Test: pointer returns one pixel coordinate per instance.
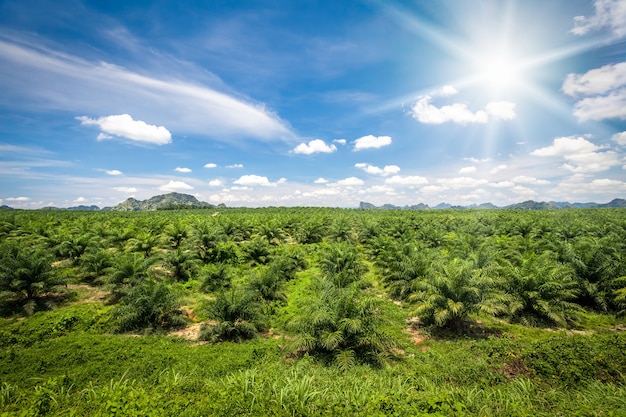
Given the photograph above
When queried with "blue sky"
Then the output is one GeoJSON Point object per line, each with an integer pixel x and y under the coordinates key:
{"type": "Point", "coordinates": [312, 103]}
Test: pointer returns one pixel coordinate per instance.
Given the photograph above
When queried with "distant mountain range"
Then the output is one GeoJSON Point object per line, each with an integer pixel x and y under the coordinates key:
{"type": "Point", "coordinates": [526, 205]}
{"type": "Point", "coordinates": [169, 201]}
{"type": "Point", "coordinates": [173, 201]}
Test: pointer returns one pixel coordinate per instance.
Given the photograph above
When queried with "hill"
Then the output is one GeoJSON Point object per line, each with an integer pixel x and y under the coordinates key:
{"type": "Point", "coordinates": [162, 202]}
{"type": "Point", "coordinates": [526, 205]}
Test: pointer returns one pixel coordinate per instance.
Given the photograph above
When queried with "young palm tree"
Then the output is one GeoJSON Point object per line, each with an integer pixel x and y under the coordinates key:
{"type": "Point", "coordinates": [25, 274]}
{"type": "Point", "coordinates": [541, 290]}
{"type": "Point", "coordinates": [183, 264]}
{"type": "Point", "coordinates": [128, 270]}
{"type": "Point", "coordinates": [152, 304]}
{"type": "Point", "coordinates": [341, 325]}
{"type": "Point", "coordinates": [340, 262]}
{"type": "Point", "coordinates": [451, 291]}
{"type": "Point", "coordinates": [175, 233]}
{"type": "Point", "coordinates": [238, 318]}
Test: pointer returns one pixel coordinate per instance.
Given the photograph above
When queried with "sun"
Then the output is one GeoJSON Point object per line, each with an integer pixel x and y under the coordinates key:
{"type": "Point", "coordinates": [499, 71]}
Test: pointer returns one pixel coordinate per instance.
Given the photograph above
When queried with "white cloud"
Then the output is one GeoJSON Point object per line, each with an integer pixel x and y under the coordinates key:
{"type": "Point", "coordinates": [524, 191]}
{"type": "Point", "coordinates": [424, 112]}
{"type": "Point", "coordinates": [350, 182]}
{"type": "Point", "coordinates": [123, 125]}
{"type": "Point", "coordinates": [210, 165]}
{"type": "Point", "coordinates": [340, 141]}
{"type": "Point", "coordinates": [125, 189]}
{"type": "Point", "coordinates": [564, 146]}
{"type": "Point", "coordinates": [216, 183]}
{"type": "Point", "coordinates": [103, 136]}
{"type": "Point", "coordinates": [49, 78]}
{"type": "Point", "coordinates": [620, 138]}
{"type": "Point", "coordinates": [581, 155]}
{"type": "Point", "coordinates": [321, 181]}
{"type": "Point", "coordinates": [374, 170]}
{"type": "Point", "coordinates": [467, 170]}
{"type": "Point", "coordinates": [523, 179]}
{"type": "Point", "coordinates": [605, 89]}
{"type": "Point", "coordinates": [371, 142]}
{"type": "Point", "coordinates": [184, 170]}
{"type": "Point", "coordinates": [322, 192]}
{"type": "Point", "coordinates": [113, 172]}
{"type": "Point", "coordinates": [18, 199]}
{"type": "Point", "coordinates": [497, 169]}
{"type": "Point", "coordinates": [175, 186]}
{"type": "Point", "coordinates": [256, 180]}
{"type": "Point", "coordinates": [429, 189]}
{"type": "Point", "coordinates": [234, 166]}
{"type": "Point", "coordinates": [80, 200]}
{"type": "Point", "coordinates": [609, 14]}
{"type": "Point", "coordinates": [314, 146]}
{"type": "Point", "coordinates": [380, 189]}
{"type": "Point", "coordinates": [409, 180]}
{"type": "Point", "coordinates": [502, 184]}
{"type": "Point", "coordinates": [446, 91]}
{"type": "Point", "coordinates": [476, 160]}
{"type": "Point", "coordinates": [503, 110]}
{"type": "Point", "coordinates": [461, 182]}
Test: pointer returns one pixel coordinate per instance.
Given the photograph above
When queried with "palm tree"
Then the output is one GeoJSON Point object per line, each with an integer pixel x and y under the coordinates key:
{"type": "Point", "coordinates": [152, 304]}
{"type": "Point", "coordinates": [26, 274]}
{"type": "Point", "coordinates": [183, 264]}
{"type": "Point", "coordinates": [128, 270]}
{"type": "Point", "coordinates": [540, 290]}
{"type": "Point", "coordinates": [451, 291]}
{"type": "Point", "coordinates": [238, 318]}
{"type": "Point", "coordinates": [143, 242]}
{"type": "Point", "coordinates": [340, 262]}
{"type": "Point", "coordinates": [341, 325]}
{"type": "Point", "coordinates": [175, 233]}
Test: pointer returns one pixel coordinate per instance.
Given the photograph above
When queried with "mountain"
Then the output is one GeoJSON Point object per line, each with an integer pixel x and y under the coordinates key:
{"type": "Point", "coordinates": [162, 202]}
{"type": "Point", "coordinates": [526, 205]}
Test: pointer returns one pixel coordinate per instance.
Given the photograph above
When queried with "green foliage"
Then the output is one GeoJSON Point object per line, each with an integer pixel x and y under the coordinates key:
{"type": "Point", "coordinates": [540, 290]}
{"type": "Point", "coordinates": [26, 275]}
{"type": "Point", "coordinates": [216, 277]}
{"type": "Point", "coordinates": [237, 317]}
{"type": "Point", "coordinates": [451, 291]}
{"type": "Point", "coordinates": [149, 305]}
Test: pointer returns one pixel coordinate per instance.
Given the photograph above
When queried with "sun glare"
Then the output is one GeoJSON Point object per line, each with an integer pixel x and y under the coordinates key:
{"type": "Point", "coordinates": [500, 71]}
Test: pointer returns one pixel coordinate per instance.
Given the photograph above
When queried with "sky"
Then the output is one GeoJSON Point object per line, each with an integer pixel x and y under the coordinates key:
{"type": "Point", "coordinates": [312, 102]}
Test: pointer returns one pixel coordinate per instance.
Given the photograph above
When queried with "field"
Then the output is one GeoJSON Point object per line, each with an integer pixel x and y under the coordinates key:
{"type": "Point", "coordinates": [313, 312]}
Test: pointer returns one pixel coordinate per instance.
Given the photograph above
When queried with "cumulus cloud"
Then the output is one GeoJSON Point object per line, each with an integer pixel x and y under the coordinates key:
{"type": "Point", "coordinates": [257, 180]}
{"type": "Point", "coordinates": [113, 172]}
{"type": "Point", "coordinates": [523, 179]}
{"type": "Point", "coordinates": [321, 181]}
{"type": "Point", "coordinates": [608, 14]}
{"type": "Point", "coordinates": [476, 160]}
{"type": "Point", "coordinates": [314, 146]}
{"type": "Point", "coordinates": [371, 142]}
{"type": "Point", "coordinates": [461, 182]}
{"type": "Point", "coordinates": [497, 169]}
{"type": "Point", "coordinates": [123, 125]}
{"type": "Point", "coordinates": [19, 199]}
{"type": "Point", "coordinates": [380, 189]}
{"type": "Point", "coordinates": [80, 200]}
{"type": "Point", "coordinates": [374, 170]}
{"type": "Point", "coordinates": [424, 112]}
{"type": "Point", "coordinates": [581, 155]}
{"type": "Point", "coordinates": [603, 92]}
{"type": "Point", "coordinates": [216, 183]}
{"type": "Point", "coordinates": [467, 170]}
{"type": "Point", "coordinates": [125, 189]}
{"type": "Point", "coordinates": [175, 186]}
{"type": "Point", "coordinates": [234, 166]}
{"type": "Point", "coordinates": [502, 184]}
{"type": "Point", "coordinates": [210, 165]}
{"type": "Point", "coordinates": [183, 170]}
{"type": "Point", "coordinates": [340, 141]}
{"type": "Point", "coordinates": [350, 182]}
{"type": "Point", "coordinates": [408, 180]}
{"type": "Point", "coordinates": [620, 138]}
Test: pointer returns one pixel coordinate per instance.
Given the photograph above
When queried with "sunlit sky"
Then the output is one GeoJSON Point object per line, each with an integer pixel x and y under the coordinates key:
{"type": "Point", "coordinates": [312, 103]}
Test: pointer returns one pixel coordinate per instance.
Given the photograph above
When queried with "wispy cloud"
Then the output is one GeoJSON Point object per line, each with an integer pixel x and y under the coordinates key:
{"type": "Point", "coordinates": [374, 170]}
{"type": "Point", "coordinates": [183, 170]}
{"type": "Point", "coordinates": [608, 14]}
{"type": "Point", "coordinates": [34, 75]}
